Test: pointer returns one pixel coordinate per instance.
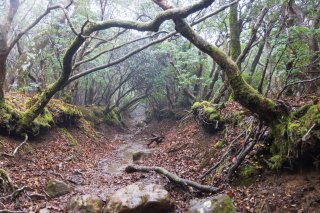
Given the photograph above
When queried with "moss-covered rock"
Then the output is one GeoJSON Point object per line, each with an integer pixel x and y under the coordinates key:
{"type": "Point", "coordinates": [208, 115]}
{"type": "Point", "coordinates": [217, 204]}
{"type": "Point", "coordinates": [56, 188]}
{"type": "Point", "coordinates": [57, 112]}
{"type": "Point", "coordinates": [113, 118]}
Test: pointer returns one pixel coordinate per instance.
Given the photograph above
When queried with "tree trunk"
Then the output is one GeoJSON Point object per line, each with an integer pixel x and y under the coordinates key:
{"type": "Point", "coordinates": [3, 68]}
{"type": "Point", "coordinates": [235, 47]}
{"type": "Point", "coordinates": [256, 60]}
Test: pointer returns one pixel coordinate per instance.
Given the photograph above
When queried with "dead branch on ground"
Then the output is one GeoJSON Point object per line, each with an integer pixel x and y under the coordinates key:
{"type": "Point", "coordinates": [172, 177]}
{"type": "Point", "coordinates": [156, 138]}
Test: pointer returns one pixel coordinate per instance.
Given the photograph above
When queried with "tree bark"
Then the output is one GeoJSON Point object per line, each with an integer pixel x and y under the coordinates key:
{"type": "Point", "coordinates": [3, 60]}
{"type": "Point", "coordinates": [256, 60]}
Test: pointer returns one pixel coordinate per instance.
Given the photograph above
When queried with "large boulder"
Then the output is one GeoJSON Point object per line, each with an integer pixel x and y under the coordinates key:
{"type": "Point", "coordinates": [217, 204]}
{"type": "Point", "coordinates": [56, 188]}
{"type": "Point", "coordinates": [159, 199]}
{"type": "Point", "coordinates": [138, 199]}
{"type": "Point", "coordinates": [85, 204]}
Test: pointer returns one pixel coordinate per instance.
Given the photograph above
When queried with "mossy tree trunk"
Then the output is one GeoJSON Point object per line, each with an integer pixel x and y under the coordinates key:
{"type": "Point", "coordinates": [234, 24]}
{"type": "Point", "coordinates": [290, 130]}
{"type": "Point", "coordinates": [243, 92]}
{"type": "Point", "coordinates": [246, 95]}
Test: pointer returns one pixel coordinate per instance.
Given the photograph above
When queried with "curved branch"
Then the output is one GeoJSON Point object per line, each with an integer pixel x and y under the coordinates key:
{"type": "Point", "coordinates": [297, 82]}
{"type": "Point", "coordinates": [34, 23]}
{"type": "Point", "coordinates": [86, 72]}
{"type": "Point", "coordinates": [114, 48]}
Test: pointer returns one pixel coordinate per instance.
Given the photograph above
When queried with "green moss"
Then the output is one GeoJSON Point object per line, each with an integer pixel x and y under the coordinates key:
{"type": "Point", "coordinates": [219, 145]}
{"type": "Point", "coordinates": [275, 161]}
{"type": "Point", "coordinates": [226, 206]}
{"type": "Point", "coordinates": [249, 170]}
{"type": "Point", "coordinates": [209, 110]}
{"type": "Point", "coordinates": [112, 118]}
{"type": "Point", "coordinates": [6, 183]}
{"type": "Point", "coordinates": [200, 104]}
{"type": "Point", "coordinates": [44, 120]}
{"type": "Point", "coordinates": [208, 116]}
{"type": "Point", "coordinates": [71, 139]}
{"type": "Point", "coordinates": [288, 132]}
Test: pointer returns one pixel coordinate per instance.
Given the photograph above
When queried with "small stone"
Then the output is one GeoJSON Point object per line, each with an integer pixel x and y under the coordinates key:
{"type": "Point", "coordinates": [56, 188]}
{"type": "Point", "coordinates": [140, 155]}
{"type": "Point", "coordinates": [45, 210]}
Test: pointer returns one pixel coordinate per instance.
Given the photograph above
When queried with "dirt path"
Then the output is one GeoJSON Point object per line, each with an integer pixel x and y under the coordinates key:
{"type": "Point", "coordinates": [108, 174]}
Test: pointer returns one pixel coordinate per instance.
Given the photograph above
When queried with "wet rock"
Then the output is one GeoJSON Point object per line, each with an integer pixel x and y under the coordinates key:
{"type": "Point", "coordinates": [159, 199]}
{"type": "Point", "coordinates": [56, 188]}
{"type": "Point", "coordinates": [141, 124]}
{"type": "Point", "coordinates": [128, 199]}
{"type": "Point", "coordinates": [45, 210]}
{"type": "Point", "coordinates": [85, 204]}
{"type": "Point", "coordinates": [137, 199]}
{"type": "Point", "coordinates": [140, 155]}
{"type": "Point", "coordinates": [217, 204]}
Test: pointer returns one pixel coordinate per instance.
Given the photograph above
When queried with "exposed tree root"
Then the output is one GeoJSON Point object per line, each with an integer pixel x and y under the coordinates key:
{"type": "Point", "coordinates": [172, 177]}
{"type": "Point", "coordinates": [245, 151]}
{"type": "Point", "coordinates": [216, 165]}
{"type": "Point", "coordinates": [9, 211]}
{"type": "Point", "coordinates": [15, 194]}
{"type": "Point", "coordinates": [17, 148]}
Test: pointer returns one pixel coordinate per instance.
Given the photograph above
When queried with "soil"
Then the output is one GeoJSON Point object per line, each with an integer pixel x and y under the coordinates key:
{"type": "Point", "coordinates": [95, 166]}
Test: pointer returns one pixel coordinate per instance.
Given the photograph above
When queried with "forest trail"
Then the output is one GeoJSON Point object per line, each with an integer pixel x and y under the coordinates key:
{"type": "Point", "coordinates": [102, 179]}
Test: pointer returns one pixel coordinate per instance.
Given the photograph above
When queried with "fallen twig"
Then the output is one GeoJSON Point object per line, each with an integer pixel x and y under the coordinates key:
{"type": "Point", "coordinates": [37, 196]}
{"type": "Point", "coordinates": [156, 138]}
{"type": "Point", "coordinates": [172, 177]}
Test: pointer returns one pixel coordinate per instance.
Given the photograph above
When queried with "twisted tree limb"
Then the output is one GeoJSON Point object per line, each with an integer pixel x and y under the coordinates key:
{"type": "Point", "coordinates": [172, 177]}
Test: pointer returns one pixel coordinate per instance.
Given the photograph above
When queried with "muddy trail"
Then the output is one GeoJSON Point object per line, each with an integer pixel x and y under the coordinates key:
{"type": "Point", "coordinates": [108, 173]}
